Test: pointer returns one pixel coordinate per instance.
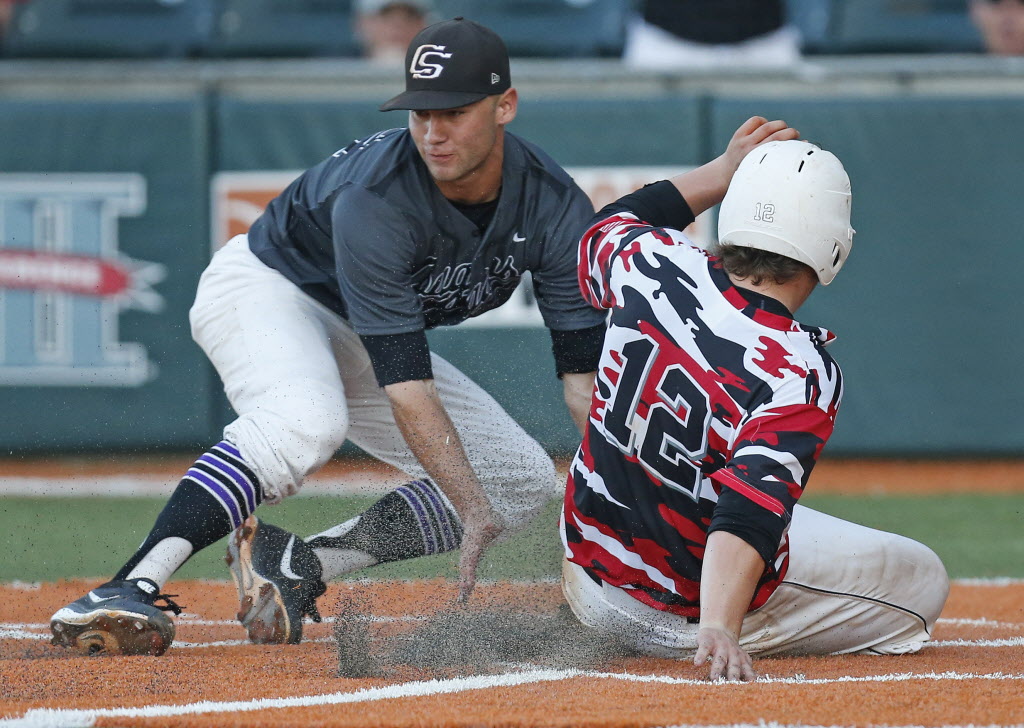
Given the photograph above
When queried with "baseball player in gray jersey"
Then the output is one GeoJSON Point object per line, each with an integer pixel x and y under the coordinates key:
{"type": "Point", "coordinates": [315, 322]}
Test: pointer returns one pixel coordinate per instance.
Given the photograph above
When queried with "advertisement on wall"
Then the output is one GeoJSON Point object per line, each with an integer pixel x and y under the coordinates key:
{"type": "Point", "coordinates": [64, 281]}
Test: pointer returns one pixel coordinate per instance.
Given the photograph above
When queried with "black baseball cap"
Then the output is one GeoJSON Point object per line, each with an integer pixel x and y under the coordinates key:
{"type": "Point", "coordinates": [451, 64]}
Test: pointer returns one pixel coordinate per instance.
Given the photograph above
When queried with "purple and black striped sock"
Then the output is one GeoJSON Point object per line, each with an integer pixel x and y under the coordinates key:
{"type": "Point", "coordinates": [438, 525]}
{"type": "Point", "coordinates": [217, 493]}
{"type": "Point", "coordinates": [412, 520]}
{"type": "Point", "coordinates": [223, 473]}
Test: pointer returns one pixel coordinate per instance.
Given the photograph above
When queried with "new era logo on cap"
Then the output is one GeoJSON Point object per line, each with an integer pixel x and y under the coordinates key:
{"type": "Point", "coordinates": [451, 64]}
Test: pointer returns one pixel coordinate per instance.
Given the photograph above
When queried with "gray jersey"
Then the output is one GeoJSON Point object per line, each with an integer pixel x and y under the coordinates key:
{"type": "Point", "coordinates": [368, 233]}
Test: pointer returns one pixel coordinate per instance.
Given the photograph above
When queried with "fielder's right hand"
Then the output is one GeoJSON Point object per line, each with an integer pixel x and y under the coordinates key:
{"type": "Point", "coordinates": [480, 526]}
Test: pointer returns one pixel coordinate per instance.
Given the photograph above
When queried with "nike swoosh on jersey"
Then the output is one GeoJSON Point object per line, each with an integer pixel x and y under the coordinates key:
{"type": "Point", "coordinates": [286, 561]}
{"type": "Point", "coordinates": [517, 238]}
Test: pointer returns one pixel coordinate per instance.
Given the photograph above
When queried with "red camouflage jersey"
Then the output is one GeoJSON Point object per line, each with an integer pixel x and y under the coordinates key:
{"type": "Point", "coordinates": [708, 413]}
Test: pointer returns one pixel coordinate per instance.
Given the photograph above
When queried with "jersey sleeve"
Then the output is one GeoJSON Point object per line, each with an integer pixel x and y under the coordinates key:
{"type": "Point", "coordinates": [638, 223]}
{"type": "Point", "coordinates": [375, 259]}
{"type": "Point", "coordinates": [399, 357]}
{"type": "Point", "coordinates": [578, 351]}
{"type": "Point", "coordinates": [775, 451]}
{"type": "Point", "coordinates": [554, 278]}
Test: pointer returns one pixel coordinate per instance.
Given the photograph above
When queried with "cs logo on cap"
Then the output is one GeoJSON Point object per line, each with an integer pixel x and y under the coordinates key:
{"type": "Point", "coordinates": [421, 66]}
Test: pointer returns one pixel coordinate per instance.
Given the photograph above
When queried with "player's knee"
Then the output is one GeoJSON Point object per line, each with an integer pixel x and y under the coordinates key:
{"type": "Point", "coordinates": [936, 583]}
{"type": "Point", "coordinates": [317, 434]}
{"type": "Point", "coordinates": [287, 443]}
{"type": "Point", "coordinates": [928, 581]}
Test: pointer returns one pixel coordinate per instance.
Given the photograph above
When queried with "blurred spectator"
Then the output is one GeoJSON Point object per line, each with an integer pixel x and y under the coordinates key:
{"type": "Point", "coordinates": [386, 27]}
{"type": "Point", "coordinates": [1001, 23]}
{"type": "Point", "coordinates": [6, 14]}
{"type": "Point", "coordinates": [671, 34]}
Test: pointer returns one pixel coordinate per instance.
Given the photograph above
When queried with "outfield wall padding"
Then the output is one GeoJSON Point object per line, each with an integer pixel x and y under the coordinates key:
{"type": "Point", "coordinates": [116, 368]}
{"type": "Point", "coordinates": [929, 337]}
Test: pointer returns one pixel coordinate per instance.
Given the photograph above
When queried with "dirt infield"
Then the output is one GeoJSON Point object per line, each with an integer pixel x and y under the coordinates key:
{"type": "Point", "coordinates": [971, 674]}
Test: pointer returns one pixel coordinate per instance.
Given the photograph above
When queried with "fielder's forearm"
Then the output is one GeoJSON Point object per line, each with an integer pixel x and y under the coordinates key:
{"type": "Point", "coordinates": [578, 390]}
{"type": "Point", "coordinates": [729, 575]}
{"type": "Point", "coordinates": [430, 434]}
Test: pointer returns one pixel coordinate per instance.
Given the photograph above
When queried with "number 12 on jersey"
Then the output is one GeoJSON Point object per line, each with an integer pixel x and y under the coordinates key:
{"type": "Point", "coordinates": [658, 414]}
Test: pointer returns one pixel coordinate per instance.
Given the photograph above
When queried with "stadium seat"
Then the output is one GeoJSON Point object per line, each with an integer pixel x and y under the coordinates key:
{"type": "Point", "coordinates": [549, 28]}
{"type": "Point", "coordinates": [813, 18]}
{"type": "Point", "coordinates": [884, 26]}
{"type": "Point", "coordinates": [255, 28]}
{"type": "Point", "coordinates": [108, 28]}
{"type": "Point", "coordinates": [910, 26]}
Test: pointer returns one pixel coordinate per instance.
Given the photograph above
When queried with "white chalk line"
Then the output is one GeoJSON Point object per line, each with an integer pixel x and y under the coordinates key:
{"type": "Point", "coordinates": [20, 585]}
{"type": "Point", "coordinates": [76, 718]}
{"type": "Point", "coordinates": [42, 717]}
{"type": "Point", "coordinates": [1011, 642]}
{"type": "Point", "coordinates": [997, 581]}
{"type": "Point", "coordinates": [22, 634]}
{"type": "Point", "coordinates": [15, 634]}
{"type": "Point", "coordinates": [982, 622]}
{"type": "Point", "coordinates": [802, 680]}
{"type": "Point", "coordinates": [40, 631]}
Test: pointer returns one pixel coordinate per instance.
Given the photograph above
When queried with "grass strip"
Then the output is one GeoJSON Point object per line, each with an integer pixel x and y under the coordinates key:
{"type": "Point", "coordinates": [56, 538]}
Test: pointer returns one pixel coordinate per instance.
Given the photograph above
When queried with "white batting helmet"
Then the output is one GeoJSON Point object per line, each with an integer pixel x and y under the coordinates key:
{"type": "Point", "coordinates": [791, 198]}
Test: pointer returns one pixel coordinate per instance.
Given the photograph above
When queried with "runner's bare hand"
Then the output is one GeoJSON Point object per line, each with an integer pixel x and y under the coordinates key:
{"type": "Point", "coordinates": [755, 131]}
{"type": "Point", "coordinates": [728, 661]}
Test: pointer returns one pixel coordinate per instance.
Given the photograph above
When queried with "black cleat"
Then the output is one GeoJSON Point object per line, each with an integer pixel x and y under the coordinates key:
{"type": "Point", "coordinates": [117, 618]}
{"type": "Point", "coordinates": [278, 579]}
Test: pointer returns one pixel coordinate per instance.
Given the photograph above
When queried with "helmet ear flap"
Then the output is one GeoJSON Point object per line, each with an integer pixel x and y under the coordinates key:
{"type": "Point", "coordinates": [794, 199]}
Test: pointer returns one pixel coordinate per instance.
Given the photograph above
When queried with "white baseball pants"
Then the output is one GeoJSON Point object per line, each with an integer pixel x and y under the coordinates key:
{"type": "Point", "coordinates": [301, 383]}
{"type": "Point", "coordinates": [849, 589]}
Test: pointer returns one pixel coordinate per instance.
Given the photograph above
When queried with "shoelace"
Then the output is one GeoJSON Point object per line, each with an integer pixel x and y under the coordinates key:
{"type": "Point", "coordinates": [309, 606]}
{"type": "Point", "coordinates": [169, 604]}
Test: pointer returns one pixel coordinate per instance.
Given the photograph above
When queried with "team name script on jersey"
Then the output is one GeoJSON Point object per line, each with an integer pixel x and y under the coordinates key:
{"type": "Point", "coordinates": [455, 287]}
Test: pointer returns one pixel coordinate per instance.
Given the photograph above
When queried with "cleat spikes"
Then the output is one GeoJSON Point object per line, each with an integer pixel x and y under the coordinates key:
{"type": "Point", "coordinates": [117, 618]}
{"type": "Point", "coordinates": [278, 578]}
